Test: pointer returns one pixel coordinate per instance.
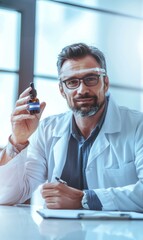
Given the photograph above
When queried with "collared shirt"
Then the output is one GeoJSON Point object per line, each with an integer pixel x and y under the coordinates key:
{"type": "Point", "coordinates": [77, 156]}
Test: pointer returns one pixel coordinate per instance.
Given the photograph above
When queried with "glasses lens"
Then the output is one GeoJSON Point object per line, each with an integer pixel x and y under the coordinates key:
{"type": "Point", "coordinates": [88, 81]}
{"type": "Point", "coordinates": [91, 80]}
{"type": "Point", "coordinates": [73, 83]}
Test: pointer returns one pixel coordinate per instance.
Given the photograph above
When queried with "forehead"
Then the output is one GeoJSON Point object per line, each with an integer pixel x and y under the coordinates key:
{"type": "Point", "coordinates": [74, 66]}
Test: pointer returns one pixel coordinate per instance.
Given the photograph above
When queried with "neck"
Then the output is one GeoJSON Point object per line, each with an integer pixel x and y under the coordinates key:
{"type": "Point", "coordinates": [87, 124]}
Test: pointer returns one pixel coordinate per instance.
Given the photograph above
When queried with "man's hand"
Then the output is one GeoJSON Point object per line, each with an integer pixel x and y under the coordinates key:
{"type": "Point", "coordinates": [60, 196]}
{"type": "Point", "coordinates": [23, 123]}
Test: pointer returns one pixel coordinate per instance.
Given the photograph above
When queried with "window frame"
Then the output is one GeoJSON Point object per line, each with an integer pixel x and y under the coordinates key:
{"type": "Point", "coordinates": [27, 39]}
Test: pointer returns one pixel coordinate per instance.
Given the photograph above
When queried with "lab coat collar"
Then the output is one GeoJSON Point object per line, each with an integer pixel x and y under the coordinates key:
{"type": "Point", "coordinates": [63, 127]}
{"type": "Point", "coordinates": [112, 122]}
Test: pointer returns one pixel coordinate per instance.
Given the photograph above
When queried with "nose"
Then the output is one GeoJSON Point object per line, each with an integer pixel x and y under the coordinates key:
{"type": "Point", "coordinates": [82, 88]}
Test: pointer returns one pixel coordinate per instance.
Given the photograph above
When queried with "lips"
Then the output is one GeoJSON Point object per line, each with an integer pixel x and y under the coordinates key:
{"type": "Point", "coordinates": [84, 99]}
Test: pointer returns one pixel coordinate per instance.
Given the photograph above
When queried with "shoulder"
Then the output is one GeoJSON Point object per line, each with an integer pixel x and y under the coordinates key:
{"type": "Point", "coordinates": [131, 114]}
{"type": "Point", "coordinates": [55, 118]}
{"type": "Point", "coordinates": [55, 125]}
{"type": "Point", "coordinates": [124, 112]}
{"type": "Point", "coordinates": [122, 118]}
{"type": "Point", "coordinates": [56, 121]}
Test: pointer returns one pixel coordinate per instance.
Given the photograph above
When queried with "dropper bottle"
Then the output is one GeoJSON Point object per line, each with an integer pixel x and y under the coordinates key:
{"type": "Point", "coordinates": [34, 104]}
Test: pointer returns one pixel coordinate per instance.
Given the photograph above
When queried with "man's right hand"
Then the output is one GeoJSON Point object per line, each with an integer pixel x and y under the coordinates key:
{"type": "Point", "coordinates": [23, 123]}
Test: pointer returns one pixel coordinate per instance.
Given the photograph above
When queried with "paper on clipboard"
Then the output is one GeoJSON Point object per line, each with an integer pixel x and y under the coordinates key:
{"type": "Point", "coordinates": [89, 214]}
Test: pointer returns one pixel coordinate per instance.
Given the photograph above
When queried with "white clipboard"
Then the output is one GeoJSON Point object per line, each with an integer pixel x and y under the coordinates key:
{"type": "Point", "coordinates": [89, 214]}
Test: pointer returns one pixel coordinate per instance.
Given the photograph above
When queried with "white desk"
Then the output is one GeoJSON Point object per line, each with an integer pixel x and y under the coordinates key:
{"type": "Point", "coordinates": [17, 223]}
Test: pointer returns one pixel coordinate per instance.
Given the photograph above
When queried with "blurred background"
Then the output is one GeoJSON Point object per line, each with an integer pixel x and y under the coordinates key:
{"type": "Point", "coordinates": [32, 33]}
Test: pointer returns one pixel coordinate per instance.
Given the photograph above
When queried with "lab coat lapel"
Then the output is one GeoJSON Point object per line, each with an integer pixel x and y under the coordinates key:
{"type": "Point", "coordinates": [99, 146]}
{"type": "Point", "coordinates": [62, 132]}
{"type": "Point", "coordinates": [111, 125]}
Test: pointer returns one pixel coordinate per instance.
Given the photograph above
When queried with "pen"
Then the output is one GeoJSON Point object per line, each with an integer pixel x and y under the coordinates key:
{"type": "Point", "coordinates": [22, 205]}
{"type": "Point", "coordinates": [60, 180]}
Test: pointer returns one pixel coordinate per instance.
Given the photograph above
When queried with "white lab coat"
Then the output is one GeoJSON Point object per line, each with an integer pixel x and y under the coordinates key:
{"type": "Point", "coordinates": [114, 167]}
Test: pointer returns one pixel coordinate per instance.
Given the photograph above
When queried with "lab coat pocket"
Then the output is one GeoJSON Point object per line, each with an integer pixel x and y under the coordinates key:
{"type": "Point", "coordinates": [122, 176]}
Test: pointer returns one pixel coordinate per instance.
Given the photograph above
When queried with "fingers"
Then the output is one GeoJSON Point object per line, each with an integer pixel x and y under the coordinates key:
{"type": "Point", "coordinates": [24, 97]}
{"type": "Point", "coordinates": [25, 92]}
{"type": "Point", "coordinates": [53, 203]}
{"type": "Point", "coordinates": [51, 189]}
{"type": "Point", "coordinates": [42, 107]}
{"type": "Point", "coordinates": [21, 117]}
{"type": "Point", "coordinates": [61, 196]}
{"type": "Point", "coordinates": [21, 105]}
{"type": "Point", "coordinates": [23, 123]}
{"type": "Point", "coordinates": [22, 101]}
{"type": "Point", "coordinates": [20, 108]}
{"type": "Point", "coordinates": [51, 192]}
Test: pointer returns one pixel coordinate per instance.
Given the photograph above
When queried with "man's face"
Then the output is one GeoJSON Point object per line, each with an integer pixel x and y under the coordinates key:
{"type": "Point", "coordinates": [83, 100]}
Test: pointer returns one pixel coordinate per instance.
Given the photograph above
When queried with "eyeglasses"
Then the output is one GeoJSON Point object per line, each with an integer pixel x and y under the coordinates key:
{"type": "Point", "coordinates": [91, 80]}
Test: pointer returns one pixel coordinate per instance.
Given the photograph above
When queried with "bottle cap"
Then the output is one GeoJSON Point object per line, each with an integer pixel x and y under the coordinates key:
{"type": "Point", "coordinates": [33, 92]}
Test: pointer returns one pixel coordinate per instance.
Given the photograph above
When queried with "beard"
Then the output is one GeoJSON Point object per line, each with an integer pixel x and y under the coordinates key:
{"type": "Point", "coordinates": [86, 109]}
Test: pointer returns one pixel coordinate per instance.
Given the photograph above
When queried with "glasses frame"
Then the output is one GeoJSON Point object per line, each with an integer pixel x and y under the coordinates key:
{"type": "Point", "coordinates": [102, 73]}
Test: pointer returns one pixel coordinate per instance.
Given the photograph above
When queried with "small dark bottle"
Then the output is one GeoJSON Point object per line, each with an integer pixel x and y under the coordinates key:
{"type": "Point", "coordinates": [34, 104]}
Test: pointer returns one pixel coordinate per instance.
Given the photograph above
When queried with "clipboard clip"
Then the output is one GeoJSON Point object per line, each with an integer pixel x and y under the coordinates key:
{"type": "Point", "coordinates": [105, 216]}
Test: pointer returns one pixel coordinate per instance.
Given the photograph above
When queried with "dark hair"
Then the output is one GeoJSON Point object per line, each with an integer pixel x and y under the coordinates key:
{"type": "Point", "coordinates": [80, 50]}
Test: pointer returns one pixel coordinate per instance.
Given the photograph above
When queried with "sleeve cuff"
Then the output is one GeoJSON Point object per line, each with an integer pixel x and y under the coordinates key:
{"type": "Point", "coordinates": [93, 200]}
{"type": "Point", "coordinates": [12, 150]}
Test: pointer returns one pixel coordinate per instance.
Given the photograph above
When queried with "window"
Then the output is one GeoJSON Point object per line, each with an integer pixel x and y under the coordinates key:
{"type": "Point", "coordinates": [17, 33]}
{"type": "Point", "coordinates": [115, 27]}
{"type": "Point", "coordinates": [9, 65]}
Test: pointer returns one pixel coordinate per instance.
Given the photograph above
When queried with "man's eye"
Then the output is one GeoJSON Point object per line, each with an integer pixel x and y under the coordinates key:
{"type": "Point", "coordinates": [72, 82]}
{"type": "Point", "coordinates": [93, 78]}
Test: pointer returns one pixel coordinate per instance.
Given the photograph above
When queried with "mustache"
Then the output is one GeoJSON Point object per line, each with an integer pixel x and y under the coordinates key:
{"type": "Point", "coordinates": [84, 96]}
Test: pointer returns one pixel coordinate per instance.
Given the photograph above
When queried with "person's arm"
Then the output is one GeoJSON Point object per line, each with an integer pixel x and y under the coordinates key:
{"type": "Point", "coordinates": [59, 195]}
{"type": "Point", "coordinates": [15, 185]}
{"type": "Point", "coordinates": [20, 177]}
{"type": "Point", "coordinates": [23, 126]}
{"type": "Point", "coordinates": [10, 151]}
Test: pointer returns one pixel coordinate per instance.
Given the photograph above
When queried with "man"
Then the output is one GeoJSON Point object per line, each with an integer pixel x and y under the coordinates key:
{"type": "Point", "coordinates": [97, 147]}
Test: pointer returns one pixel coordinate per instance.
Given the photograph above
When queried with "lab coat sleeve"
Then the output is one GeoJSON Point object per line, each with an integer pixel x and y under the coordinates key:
{"type": "Point", "coordinates": [20, 177]}
{"type": "Point", "coordinates": [10, 186]}
{"type": "Point", "coordinates": [126, 198]}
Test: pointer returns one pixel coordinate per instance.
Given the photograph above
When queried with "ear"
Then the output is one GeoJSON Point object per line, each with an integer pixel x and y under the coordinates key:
{"type": "Point", "coordinates": [62, 90]}
{"type": "Point", "coordinates": [106, 83]}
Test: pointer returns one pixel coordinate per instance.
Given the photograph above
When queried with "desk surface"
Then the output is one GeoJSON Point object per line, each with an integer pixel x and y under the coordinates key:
{"type": "Point", "coordinates": [25, 223]}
